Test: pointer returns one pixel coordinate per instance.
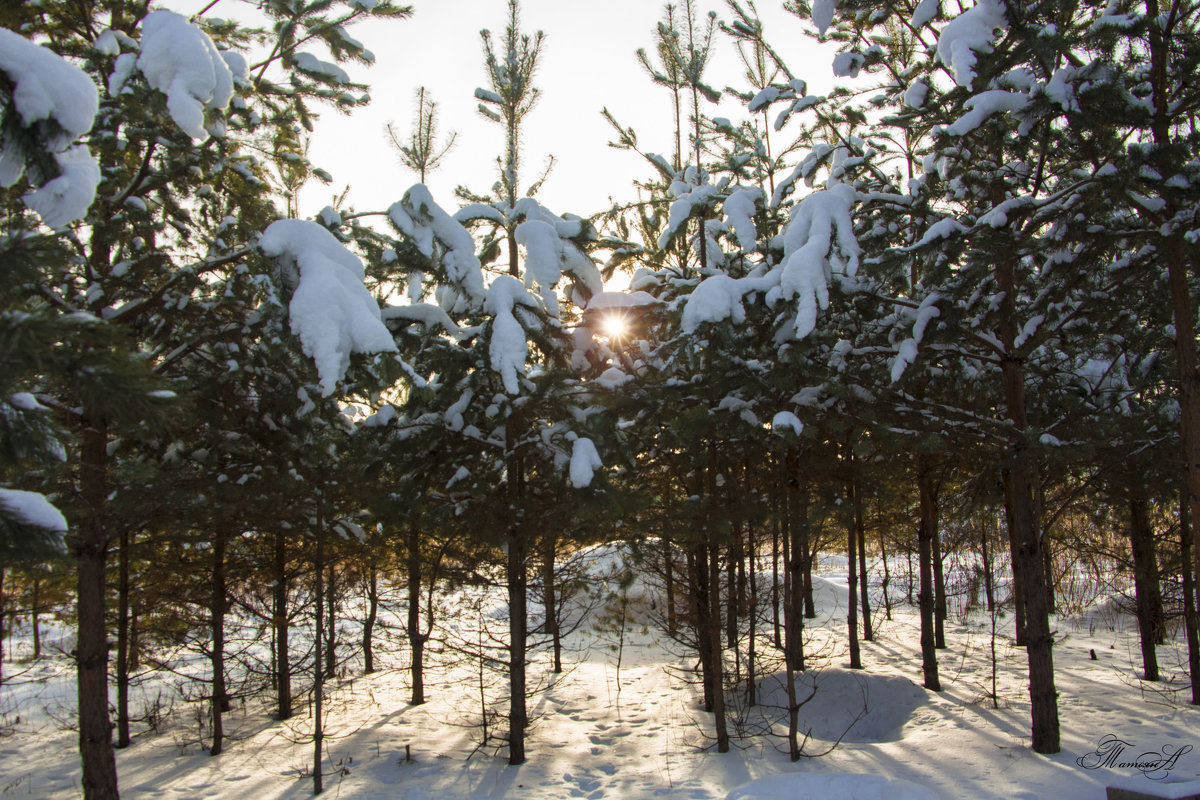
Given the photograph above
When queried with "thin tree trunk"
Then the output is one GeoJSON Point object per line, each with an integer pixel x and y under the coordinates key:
{"type": "Point", "coordinates": [99, 766]}
{"type": "Point", "coordinates": [887, 578]}
{"type": "Point", "coordinates": [793, 609]}
{"type": "Point", "coordinates": [925, 533]}
{"type": "Point", "coordinates": [937, 561]}
{"type": "Point", "coordinates": [733, 585]}
{"type": "Point", "coordinates": [852, 577]}
{"type": "Point", "coordinates": [698, 564]}
{"type": "Point", "coordinates": [331, 625]}
{"type": "Point", "coordinates": [123, 737]}
{"type": "Point", "coordinates": [1145, 580]}
{"type": "Point", "coordinates": [368, 643]}
{"type": "Point", "coordinates": [714, 632]}
{"type": "Point", "coordinates": [518, 582]}
{"type": "Point", "coordinates": [988, 586]}
{"type": "Point", "coordinates": [34, 614]}
{"type": "Point", "coordinates": [416, 638]}
{"type": "Point", "coordinates": [279, 618]}
{"type": "Point", "coordinates": [775, 531]}
{"type": "Point", "coordinates": [752, 619]}
{"type": "Point", "coordinates": [549, 600]}
{"type": "Point", "coordinates": [1190, 618]}
{"type": "Point", "coordinates": [864, 586]}
{"type": "Point", "coordinates": [217, 604]}
{"type": "Point", "coordinates": [318, 669]}
{"type": "Point", "coordinates": [669, 577]}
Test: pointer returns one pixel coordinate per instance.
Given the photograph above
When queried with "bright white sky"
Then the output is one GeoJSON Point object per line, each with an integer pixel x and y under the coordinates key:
{"type": "Point", "coordinates": [587, 63]}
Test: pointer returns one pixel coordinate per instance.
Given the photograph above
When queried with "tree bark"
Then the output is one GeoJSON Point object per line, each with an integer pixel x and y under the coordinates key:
{"type": "Point", "coordinates": [331, 624]}
{"type": "Point", "coordinates": [123, 737]}
{"type": "Point", "coordinates": [318, 669]}
{"type": "Point", "coordinates": [864, 586]}
{"type": "Point", "coordinates": [518, 582]}
{"type": "Point", "coordinates": [1146, 588]}
{"type": "Point", "coordinates": [1190, 617]}
{"type": "Point", "coordinates": [928, 524]}
{"type": "Point", "coordinates": [368, 642]}
{"type": "Point", "coordinates": [99, 766]}
{"type": "Point", "coordinates": [714, 632]}
{"type": "Point", "coordinates": [416, 638]}
{"type": "Point", "coordinates": [852, 580]}
{"type": "Point", "coordinates": [549, 542]}
{"type": "Point", "coordinates": [1025, 533]}
{"type": "Point", "coordinates": [937, 562]}
{"type": "Point", "coordinates": [217, 607]}
{"type": "Point", "coordinates": [279, 618]}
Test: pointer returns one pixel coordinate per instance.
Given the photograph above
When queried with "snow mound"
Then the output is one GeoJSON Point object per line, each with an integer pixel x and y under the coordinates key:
{"type": "Point", "coordinates": [179, 60]}
{"type": "Point", "coordinates": [843, 786]}
{"type": "Point", "coordinates": [856, 706]}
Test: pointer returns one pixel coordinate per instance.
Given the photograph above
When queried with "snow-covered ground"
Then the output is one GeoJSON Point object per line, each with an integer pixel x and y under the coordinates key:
{"type": "Point", "coordinates": [654, 741]}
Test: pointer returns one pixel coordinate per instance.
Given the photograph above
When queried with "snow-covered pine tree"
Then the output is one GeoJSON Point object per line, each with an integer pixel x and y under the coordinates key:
{"type": "Point", "coordinates": [168, 200]}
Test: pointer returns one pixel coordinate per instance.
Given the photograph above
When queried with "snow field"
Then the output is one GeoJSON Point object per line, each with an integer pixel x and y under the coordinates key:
{"type": "Point", "coordinates": [898, 740]}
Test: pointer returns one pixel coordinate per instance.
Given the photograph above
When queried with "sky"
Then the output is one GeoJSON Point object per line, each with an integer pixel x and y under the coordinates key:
{"type": "Point", "coordinates": [587, 64]}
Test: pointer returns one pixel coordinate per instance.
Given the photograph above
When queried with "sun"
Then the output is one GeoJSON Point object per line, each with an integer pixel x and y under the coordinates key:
{"type": "Point", "coordinates": [614, 326]}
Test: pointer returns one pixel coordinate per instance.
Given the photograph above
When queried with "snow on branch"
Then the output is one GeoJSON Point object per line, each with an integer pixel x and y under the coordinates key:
{"type": "Point", "coordinates": [438, 235]}
{"type": "Point", "coordinates": [507, 348]}
{"type": "Point", "coordinates": [179, 60]}
{"type": "Point", "coordinates": [585, 460]}
{"type": "Point", "coordinates": [969, 34]}
{"type": "Point", "coordinates": [331, 310]}
{"type": "Point", "coordinates": [34, 510]}
{"type": "Point", "coordinates": [717, 298]}
{"type": "Point", "coordinates": [550, 252]}
{"type": "Point", "coordinates": [47, 89]}
{"type": "Point", "coordinates": [819, 242]}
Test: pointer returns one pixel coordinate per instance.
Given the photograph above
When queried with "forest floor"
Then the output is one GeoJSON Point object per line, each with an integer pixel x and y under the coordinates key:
{"type": "Point", "coordinates": [646, 737]}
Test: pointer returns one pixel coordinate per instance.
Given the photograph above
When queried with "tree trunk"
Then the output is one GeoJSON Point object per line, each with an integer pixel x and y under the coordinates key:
{"type": "Point", "coordinates": [1191, 622]}
{"type": "Point", "coordinates": [123, 737]}
{"type": "Point", "coordinates": [1145, 581]}
{"type": "Point", "coordinates": [318, 669]}
{"type": "Point", "coordinates": [99, 766]}
{"type": "Point", "coordinates": [988, 586]}
{"type": "Point", "coordinates": [732, 589]}
{"type": "Point", "coordinates": [1017, 595]}
{"type": "Point", "coordinates": [279, 618]}
{"type": "Point", "coordinates": [1183, 308]}
{"type": "Point", "coordinates": [217, 605]}
{"type": "Point", "coordinates": [549, 599]}
{"type": "Point", "coordinates": [852, 580]}
{"type": "Point", "coordinates": [368, 643]}
{"type": "Point", "coordinates": [714, 632]}
{"type": "Point", "coordinates": [751, 619]}
{"type": "Point", "coordinates": [937, 562]}
{"type": "Point", "coordinates": [1025, 533]}
{"type": "Point", "coordinates": [669, 577]}
{"type": "Point", "coordinates": [887, 578]}
{"type": "Point", "coordinates": [698, 564]}
{"type": "Point", "coordinates": [35, 611]}
{"type": "Point", "coordinates": [518, 583]}
{"type": "Point", "coordinates": [416, 638]}
{"type": "Point", "coordinates": [864, 586]}
{"type": "Point", "coordinates": [793, 609]}
{"type": "Point", "coordinates": [925, 533]}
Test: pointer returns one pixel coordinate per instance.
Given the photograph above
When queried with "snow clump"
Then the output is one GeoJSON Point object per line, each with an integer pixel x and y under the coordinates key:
{"type": "Point", "coordinates": [331, 311]}
{"type": "Point", "coordinates": [179, 60]}
{"type": "Point", "coordinates": [47, 88]}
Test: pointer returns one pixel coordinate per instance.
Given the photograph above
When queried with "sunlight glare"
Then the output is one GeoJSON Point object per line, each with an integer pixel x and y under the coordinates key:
{"type": "Point", "coordinates": [614, 326]}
